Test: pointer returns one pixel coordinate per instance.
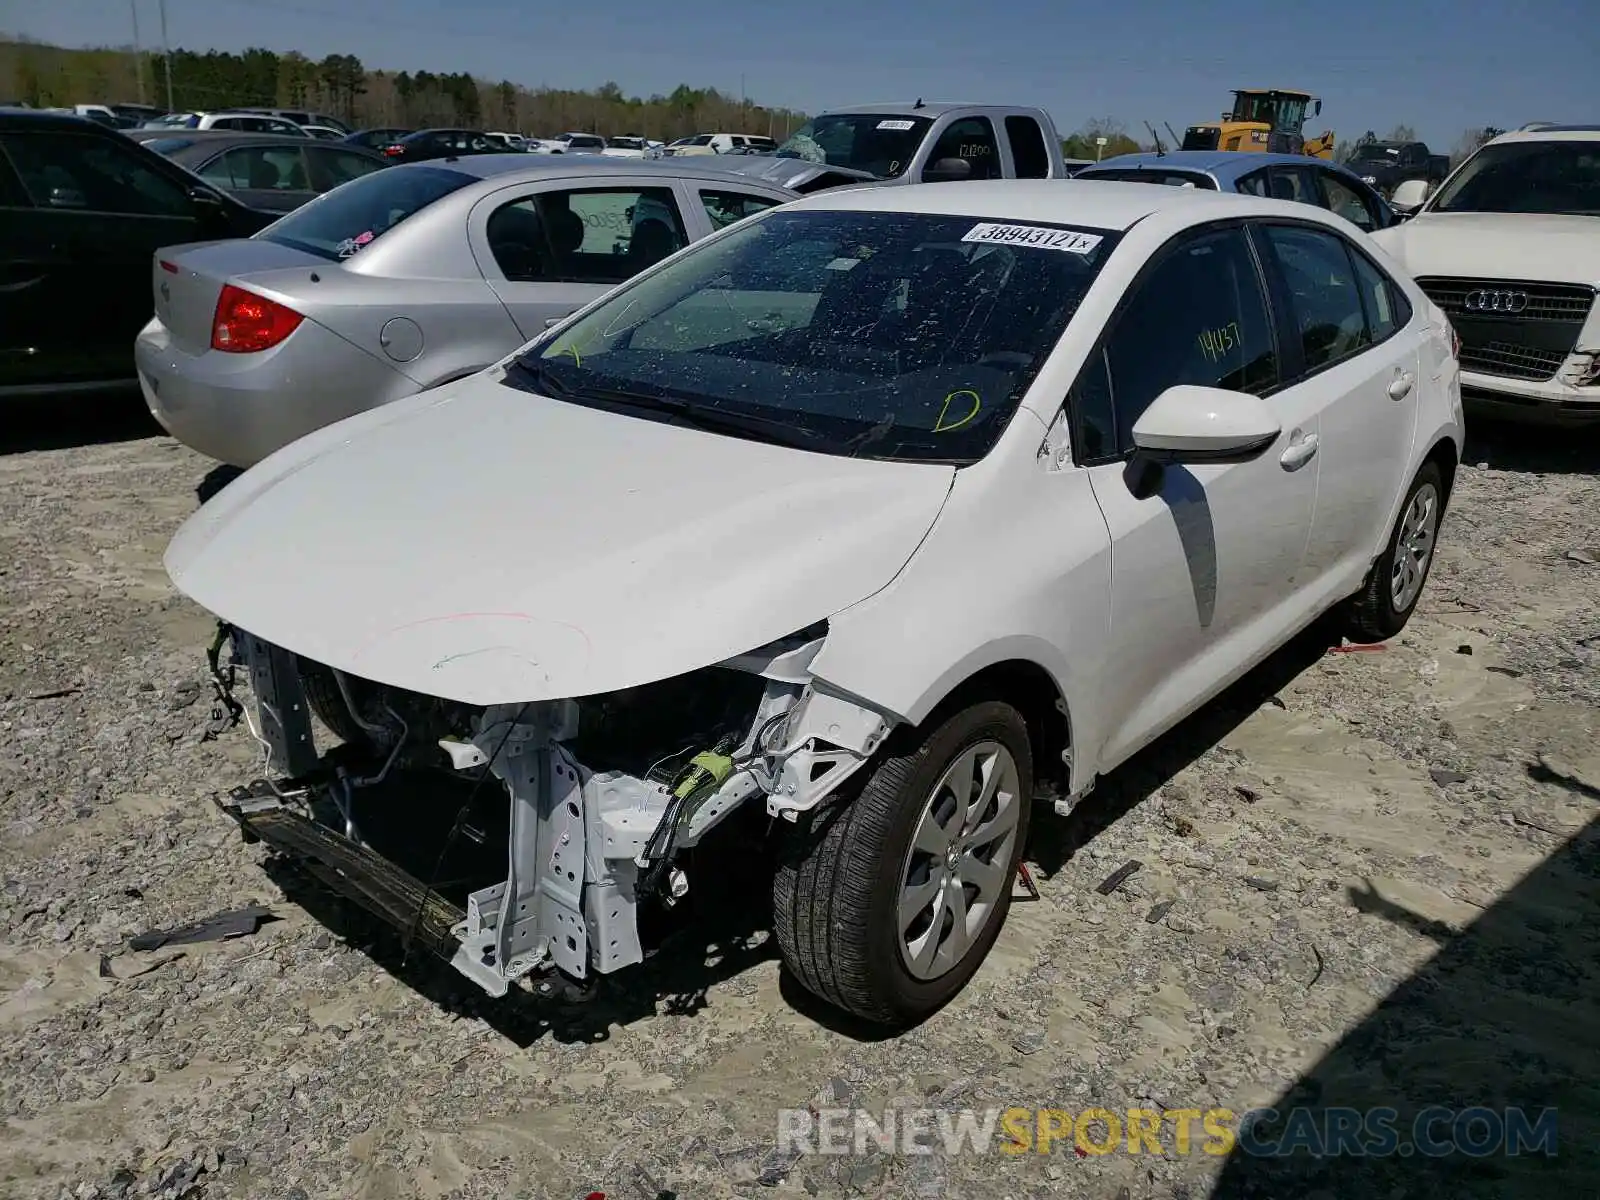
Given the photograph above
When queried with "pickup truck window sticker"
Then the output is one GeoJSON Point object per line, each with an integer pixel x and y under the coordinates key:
{"type": "Point", "coordinates": [1038, 237]}
{"type": "Point", "coordinates": [898, 126]}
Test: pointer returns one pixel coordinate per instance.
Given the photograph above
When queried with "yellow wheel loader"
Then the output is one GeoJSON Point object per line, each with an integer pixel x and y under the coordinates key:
{"type": "Point", "coordinates": [1264, 119]}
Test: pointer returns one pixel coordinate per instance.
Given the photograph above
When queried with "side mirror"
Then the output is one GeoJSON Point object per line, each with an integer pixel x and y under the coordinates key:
{"type": "Point", "coordinates": [1191, 424]}
{"type": "Point", "coordinates": [1409, 196]}
{"type": "Point", "coordinates": [947, 170]}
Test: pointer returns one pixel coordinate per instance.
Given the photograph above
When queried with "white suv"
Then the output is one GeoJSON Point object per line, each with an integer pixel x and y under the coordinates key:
{"type": "Point", "coordinates": [1509, 247]}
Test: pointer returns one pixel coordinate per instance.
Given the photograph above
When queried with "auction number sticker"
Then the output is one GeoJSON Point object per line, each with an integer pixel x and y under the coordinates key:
{"type": "Point", "coordinates": [899, 126]}
{"type": "Point", "coordinates": [1038, 236]}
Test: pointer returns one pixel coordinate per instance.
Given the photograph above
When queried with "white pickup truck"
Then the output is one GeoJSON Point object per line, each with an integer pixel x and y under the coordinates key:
{"type": "Point", "coordinates": [913, 143]}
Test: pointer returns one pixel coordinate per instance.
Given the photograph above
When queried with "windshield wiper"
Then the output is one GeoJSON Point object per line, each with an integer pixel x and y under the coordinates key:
{"type": "Point", "coordinates": [700, 416]}
{"type": "Point", "coordinates": [539, 375]}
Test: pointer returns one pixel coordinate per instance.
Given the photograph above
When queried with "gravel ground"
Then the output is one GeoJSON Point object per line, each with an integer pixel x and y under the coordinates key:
{"type": "Point", "coordinates": [1365, 878]}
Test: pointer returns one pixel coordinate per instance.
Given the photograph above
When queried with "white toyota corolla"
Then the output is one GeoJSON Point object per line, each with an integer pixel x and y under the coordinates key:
{"type": "Point", "coordinates": [848, 532]}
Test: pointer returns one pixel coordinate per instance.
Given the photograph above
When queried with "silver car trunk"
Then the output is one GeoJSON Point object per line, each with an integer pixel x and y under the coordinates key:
{"type": "Point", "coordinates": [188, 279]}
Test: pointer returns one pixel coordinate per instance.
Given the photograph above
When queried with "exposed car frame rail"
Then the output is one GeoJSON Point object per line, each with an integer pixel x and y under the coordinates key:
{"type": "Point", "coordinates": [585, 848]}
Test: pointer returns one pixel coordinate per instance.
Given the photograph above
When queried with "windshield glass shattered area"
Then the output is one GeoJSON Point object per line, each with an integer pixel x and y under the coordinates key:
{"type": "Point", "coordinates": [872, 142]}
{"type": "Point", "coordinates": [1550, 178]}
{"type": "Point", "coordinates": [872, 334]}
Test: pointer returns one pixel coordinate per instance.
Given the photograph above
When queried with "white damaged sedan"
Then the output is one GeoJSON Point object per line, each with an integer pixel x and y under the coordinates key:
{"type": "Point", "coordinates": [850, 532]}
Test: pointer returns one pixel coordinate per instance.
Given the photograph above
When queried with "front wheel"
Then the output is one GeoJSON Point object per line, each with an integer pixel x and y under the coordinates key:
{"type": "Point", "coordinates": [1395, 584]}
{"type": "Point", "coordinates": [885, 905]}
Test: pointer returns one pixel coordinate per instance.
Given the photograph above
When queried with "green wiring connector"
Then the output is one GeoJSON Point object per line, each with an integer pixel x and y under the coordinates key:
{"type": "Point", "coordinates": [705, 770]}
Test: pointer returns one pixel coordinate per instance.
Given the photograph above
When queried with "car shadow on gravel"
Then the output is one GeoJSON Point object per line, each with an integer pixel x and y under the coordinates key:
{"type": "Point", "coordinates": [1504, 1017]}
{"type": "Point", "coordinates": [1506, 446]}
{"type": "Point", "coordinates": [721, 939]}
{"type": "Point", "coordinates": [36, 423]}
{"type": "Point", "coordinates": [1053, 840]}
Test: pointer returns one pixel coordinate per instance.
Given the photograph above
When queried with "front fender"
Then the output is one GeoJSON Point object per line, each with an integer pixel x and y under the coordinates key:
{"type": "Point", "coordinates": [1017, 567]}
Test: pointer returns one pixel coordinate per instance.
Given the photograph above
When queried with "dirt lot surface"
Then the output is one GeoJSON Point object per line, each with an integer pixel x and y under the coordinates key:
{"type": "Point", "coordinates": [1366, 879]}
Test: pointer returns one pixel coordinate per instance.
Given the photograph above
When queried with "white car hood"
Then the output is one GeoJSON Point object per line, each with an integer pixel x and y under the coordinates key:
{"type": "Point", "coordinates": [1497, 246]}
{"type": "Point", "coordinates": [492, 546]}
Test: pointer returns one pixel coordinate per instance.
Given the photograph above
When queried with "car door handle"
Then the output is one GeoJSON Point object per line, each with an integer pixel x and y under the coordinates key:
{"type": "Point", "coordinates": [1302, 449]}
{"type": "Point", "coordinates": [1400, 388]}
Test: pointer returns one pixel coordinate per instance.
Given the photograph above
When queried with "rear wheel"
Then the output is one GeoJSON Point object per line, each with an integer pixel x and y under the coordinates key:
{"type": "Point", "coordinates": [1395, 584]}
{"type": "Point", "coordinates": [885, 905]}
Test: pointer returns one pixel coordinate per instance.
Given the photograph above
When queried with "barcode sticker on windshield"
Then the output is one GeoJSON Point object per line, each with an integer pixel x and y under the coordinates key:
{"type": "Point", "coordinates": [1039, 237]}
{"type": "Point", "coordinates": [897, 125]}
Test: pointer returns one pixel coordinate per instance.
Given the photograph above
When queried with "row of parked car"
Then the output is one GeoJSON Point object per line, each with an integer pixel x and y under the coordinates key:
{"type": "Point", "coordinates": [586, 223]}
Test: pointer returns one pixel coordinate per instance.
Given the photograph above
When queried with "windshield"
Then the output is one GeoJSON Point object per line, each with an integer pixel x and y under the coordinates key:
{"type": "Point", "coordinates": [339, 223]}
{"type": "Point", "coordinates": [870, 334]}
{"type": "Point", "coordinates": [877, 144]}
{"type": "Point", "coordinates": [1271, 108]}
{"type": "Point", "coordinates": [1552, 178]}
{"type": "Point", "coordinates": [1377, 152]}
{"type": "Point", "coordinates": [1194, 179]}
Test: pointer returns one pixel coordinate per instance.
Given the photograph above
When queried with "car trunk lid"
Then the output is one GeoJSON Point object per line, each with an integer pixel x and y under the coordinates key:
{"type": "Point", "coordinates": [188, 279]}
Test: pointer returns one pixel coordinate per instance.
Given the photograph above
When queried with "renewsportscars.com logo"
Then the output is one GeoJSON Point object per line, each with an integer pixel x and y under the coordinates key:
{"type": "Point", "coordinates": [1433, 1132]}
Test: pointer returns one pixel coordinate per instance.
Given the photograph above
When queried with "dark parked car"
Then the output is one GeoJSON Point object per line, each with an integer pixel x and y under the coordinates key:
{"type": "Point", "coordinates": [83, 209]}
{"type": "Point", "coordinates": [265, 171]}
{"type": "Point", "coordinates": [376, 139]}
{"type": "Point", "coordinates": [1386, 165]}
{"type": "Point", "coordinates": [441, 143]}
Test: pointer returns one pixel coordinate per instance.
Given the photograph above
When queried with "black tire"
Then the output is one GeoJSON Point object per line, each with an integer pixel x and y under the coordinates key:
{"type": "Point", "coordinates": [837, 888]}
{"type": "Point", "coordinates": [325, 699]}
{"type": "Point", "coordinates": [1374, 616]}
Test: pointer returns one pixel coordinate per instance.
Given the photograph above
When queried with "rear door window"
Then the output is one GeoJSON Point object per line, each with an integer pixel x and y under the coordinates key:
{"type": "Point", "coordinates": [260, 169]}
{"type": "Point", "coordinates": [348, 219]}
{"type": "Point", "coordinates": [1324, 294]}
{"type": "Point", "coordinates": [723, 208]}
{"type": "Point", "coordinates": [93, 174]}
{"type": "Point", "coordinates": [330, 167]}
{"type": "Point", "coordinates": [1295, 184]}
{"type": "Point", "coordinates": [1027, 148]}
{"type": "Point", "coordinates": [1254, 184]}
{"type": "Point", "coordinates": [588, 235]}
{"type": "Point", "coordinates": [1340, 197]}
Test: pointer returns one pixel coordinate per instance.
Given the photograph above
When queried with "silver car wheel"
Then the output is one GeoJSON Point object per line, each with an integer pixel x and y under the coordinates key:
{"type": "Point", "coordinates": [1413, 549]}
{"type": "Point", "coordinates": [958, 866]}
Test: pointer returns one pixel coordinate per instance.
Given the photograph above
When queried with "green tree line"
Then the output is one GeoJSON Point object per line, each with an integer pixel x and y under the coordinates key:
{"type": "Point", "coordinates": [45, 76]}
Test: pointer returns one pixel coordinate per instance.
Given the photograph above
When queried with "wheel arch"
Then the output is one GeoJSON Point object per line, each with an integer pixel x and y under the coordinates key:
{"type": "Point", "coordinates": [1447, 455]}
{"type": "Point", "coordinates": [1034, 692]}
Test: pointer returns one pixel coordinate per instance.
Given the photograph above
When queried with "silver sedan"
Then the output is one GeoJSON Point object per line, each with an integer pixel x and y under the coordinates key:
{"type": "Point", "coordinates": [404, 280]}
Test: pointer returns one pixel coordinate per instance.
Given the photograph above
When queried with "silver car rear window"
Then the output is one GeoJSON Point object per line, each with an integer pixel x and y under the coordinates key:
{"type": "Point", "coordinates": [344, 221]}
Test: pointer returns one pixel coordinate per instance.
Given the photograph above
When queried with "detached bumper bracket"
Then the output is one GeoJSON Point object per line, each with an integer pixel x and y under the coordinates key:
{"type": "Point", "coordinates": [345, 868]}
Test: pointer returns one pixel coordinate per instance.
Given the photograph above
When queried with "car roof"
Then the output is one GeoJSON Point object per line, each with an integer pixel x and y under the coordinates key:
{"type": "Point", "coordinates": [533, 166]}
{"type": "Point", "coordinates": [212, 139]}
{"type": "Point", "coordinates": [1100, 204]}
{"type": "Point", "coordinates": [1552, 133]}
{"type": "Point", "coordinates": [1224, 165]}
{"type": "Point", "coordinates": [38, 118]}
{"type": "Point", "coordinates": [927, 108]}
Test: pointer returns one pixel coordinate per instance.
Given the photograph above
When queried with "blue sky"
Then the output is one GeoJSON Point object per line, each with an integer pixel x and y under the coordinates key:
{"type": "Point", "coordinates": [1437, 65]}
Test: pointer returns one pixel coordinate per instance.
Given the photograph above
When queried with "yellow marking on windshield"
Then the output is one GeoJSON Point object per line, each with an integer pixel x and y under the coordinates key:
{"type": "Point", "coordinates": [974, 401]}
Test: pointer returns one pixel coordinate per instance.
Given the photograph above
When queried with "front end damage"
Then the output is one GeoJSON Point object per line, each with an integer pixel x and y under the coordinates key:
{"type": "Point", "coordinates": [597, 802]}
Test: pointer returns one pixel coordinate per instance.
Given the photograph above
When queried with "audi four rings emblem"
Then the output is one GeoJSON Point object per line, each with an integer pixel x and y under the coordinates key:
{"type": "Point", "coordinates": [1496, 302]}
